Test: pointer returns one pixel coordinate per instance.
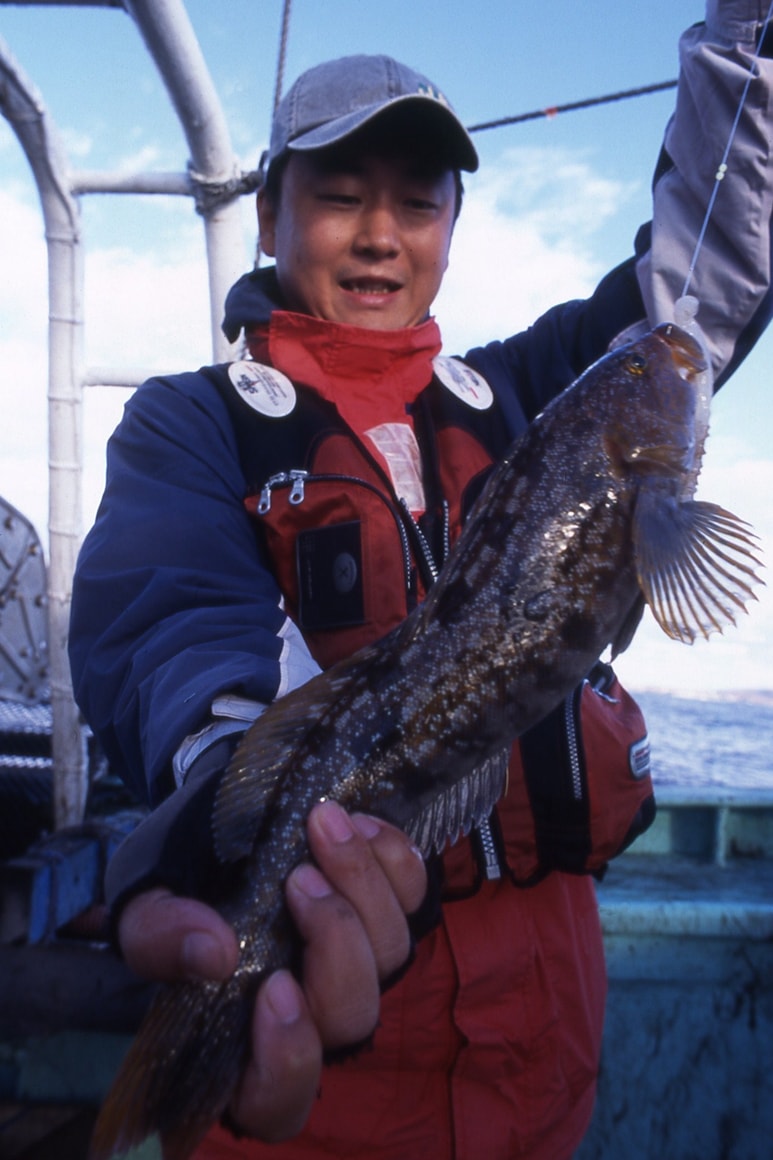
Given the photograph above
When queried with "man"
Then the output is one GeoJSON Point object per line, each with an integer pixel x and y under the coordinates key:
{"type": "Point", "coordinates": [489, 1044]}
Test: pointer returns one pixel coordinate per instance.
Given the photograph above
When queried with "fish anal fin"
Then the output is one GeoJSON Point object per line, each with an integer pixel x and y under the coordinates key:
{"type": "Point", "coordinates": [696, 564]}
{"type": "Point", "coordinates": [461, 806]}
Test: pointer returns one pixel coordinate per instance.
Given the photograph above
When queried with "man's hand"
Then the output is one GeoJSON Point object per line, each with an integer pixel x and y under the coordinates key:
{"type": "Point", "coordinates": [350, 909]}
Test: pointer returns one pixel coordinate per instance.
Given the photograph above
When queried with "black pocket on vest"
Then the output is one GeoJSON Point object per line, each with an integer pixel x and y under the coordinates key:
{"type": "Point", "coordinates": [330, 585]}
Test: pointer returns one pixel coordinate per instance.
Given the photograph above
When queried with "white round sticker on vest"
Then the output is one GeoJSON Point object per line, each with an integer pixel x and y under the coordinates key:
{"type": "Point", "coordinates": [463, 382]}
{"type": "Point", "coordinates": [263, 388]}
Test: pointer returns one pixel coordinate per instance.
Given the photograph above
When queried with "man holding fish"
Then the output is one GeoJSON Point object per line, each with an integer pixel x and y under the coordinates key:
{"type": "Point", "coordinates": [264, 521]}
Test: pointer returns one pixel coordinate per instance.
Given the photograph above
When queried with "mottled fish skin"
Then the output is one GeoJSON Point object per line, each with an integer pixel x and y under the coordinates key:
{"type": "Point", "coordinates": [417, 727]}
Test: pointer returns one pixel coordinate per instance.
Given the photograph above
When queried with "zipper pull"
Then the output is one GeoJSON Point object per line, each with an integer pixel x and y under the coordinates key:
{"type": "Point", "coordinates": [297, 478]}
{"type": "Point", "coordinates": [264, 503]}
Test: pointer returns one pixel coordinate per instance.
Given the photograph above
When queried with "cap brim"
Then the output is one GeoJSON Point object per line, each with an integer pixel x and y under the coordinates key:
{"type": "Point", "coordinates": [457, 142]}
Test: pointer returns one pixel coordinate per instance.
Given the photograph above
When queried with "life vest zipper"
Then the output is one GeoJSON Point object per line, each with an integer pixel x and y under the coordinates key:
{"type": "Point", "coordinates": [423, 549]}
{"type": "Point", "coordinates": [489, 860]}
{"type": "Point", "coordinates": [572, 741]}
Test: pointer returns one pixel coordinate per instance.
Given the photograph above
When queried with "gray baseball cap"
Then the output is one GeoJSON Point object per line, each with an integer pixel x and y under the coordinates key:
{"type": "Point", "coordinates": [333, 100]}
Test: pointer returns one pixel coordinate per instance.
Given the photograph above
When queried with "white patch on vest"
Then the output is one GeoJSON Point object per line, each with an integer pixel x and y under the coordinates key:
{"type": "Point", "coordinates": [463, 382]}
{"type": "Point", "coordinates": [397, 446]}
{"type": "Point", "coordinates": [639, 757]}
{"type": "Point", "coordinates": [263, 388]}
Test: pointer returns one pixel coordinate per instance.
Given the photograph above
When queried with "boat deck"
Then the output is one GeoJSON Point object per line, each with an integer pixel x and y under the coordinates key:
{"type": "Point", "coordinates": [687, 916]}
{"type": "Point", "coordinates": [688, 929]}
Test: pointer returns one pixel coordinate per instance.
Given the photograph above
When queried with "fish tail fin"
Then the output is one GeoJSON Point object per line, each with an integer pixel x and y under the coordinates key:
{"type": "Point", "coordinates": [180, 1071]}
{"type": "Point", "coordinates": [696, 564]}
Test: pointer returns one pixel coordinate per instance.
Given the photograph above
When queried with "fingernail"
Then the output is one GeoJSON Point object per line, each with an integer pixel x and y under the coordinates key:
{"type": "Point", "coordinates": [202, 956]}
{"type": "Point", "coordinates": [366, 826]}
{"type": "Point", "coordinates": [310, 882]}
{"type": "Point", "coordinates": [282, 997]}
{"type": "Point", "coordinates": [335, 822]}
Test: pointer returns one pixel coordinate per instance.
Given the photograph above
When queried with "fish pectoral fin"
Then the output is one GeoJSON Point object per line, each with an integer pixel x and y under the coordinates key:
{"type": "Point", "coordinates": [696, 565]}
{"type": "Point", "coordinates": [463, 805]}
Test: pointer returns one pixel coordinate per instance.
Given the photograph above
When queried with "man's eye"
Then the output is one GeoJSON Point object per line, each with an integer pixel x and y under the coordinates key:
{"type": "Point", "coordinates": [337, 197]}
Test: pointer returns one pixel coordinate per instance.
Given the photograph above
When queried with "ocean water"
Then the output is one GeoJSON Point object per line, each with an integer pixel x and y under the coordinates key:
{"type": "Point", "coordinates": [724, 741]}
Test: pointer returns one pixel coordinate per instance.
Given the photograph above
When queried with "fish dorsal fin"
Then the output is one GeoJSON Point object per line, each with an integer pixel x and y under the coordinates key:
{"type": "Point", "coordinates": [696, 565]}
{"type": "Point", "coordinates": [460, 807]}
{"type": "Point", "coordinates": [267, 754]}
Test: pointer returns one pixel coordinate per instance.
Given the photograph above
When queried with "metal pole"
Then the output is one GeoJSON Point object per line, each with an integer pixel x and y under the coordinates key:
{"type": "Point", "coordinates": [24, 109]}
{"type": "Point", "coordinates": [172, 43]}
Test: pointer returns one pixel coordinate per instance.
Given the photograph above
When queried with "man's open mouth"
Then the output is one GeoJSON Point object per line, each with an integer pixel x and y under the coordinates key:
{"type": "Point", "coordinates": [370, 285]}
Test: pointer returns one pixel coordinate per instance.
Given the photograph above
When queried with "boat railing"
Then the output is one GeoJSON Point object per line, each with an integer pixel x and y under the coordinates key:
{"type": "Point", "coordinates": [215, 182]}
{"type": "Point", "coordinates": [712, 823]}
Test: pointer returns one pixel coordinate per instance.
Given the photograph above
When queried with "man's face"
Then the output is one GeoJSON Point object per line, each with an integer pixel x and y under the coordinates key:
{"type": "Point", "coordinates": [360, 238]}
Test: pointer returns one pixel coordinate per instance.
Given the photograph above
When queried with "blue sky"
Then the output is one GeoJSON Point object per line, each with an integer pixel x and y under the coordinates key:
{"type": "Point", "coordinates": [555, 205]}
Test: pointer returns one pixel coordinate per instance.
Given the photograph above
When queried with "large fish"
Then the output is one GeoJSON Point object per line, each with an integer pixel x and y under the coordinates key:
{"type": "Point", "coordinates": [589, 515]}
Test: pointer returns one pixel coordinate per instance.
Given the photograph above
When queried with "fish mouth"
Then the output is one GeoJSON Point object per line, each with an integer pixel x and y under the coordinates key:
{"type": "Point", "coordinates": [666, 459]}
{"type": "Point", "coordinates": [685, 351]}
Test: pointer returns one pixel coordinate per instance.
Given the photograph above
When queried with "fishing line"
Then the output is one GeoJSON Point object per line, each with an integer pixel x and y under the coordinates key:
{"type": "Point", "coordinates": [722, 167]}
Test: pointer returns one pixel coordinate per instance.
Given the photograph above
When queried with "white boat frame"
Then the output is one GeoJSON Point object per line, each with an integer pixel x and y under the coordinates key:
{"type": "Point", "coordinates": [215, 181]}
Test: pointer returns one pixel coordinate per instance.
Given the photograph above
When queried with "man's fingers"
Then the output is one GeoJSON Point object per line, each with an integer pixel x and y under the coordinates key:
{"type": "Point", "coordinates": [282, 1079]}
{"type": "Point", "coordinates": [351, 915]}
{"type": "Point", "coordinates": [379, 872]}
{"type": "Point", "coordinates": [340, 976]}
{"type": "Point", "coordinates": [169, 938]}
{"type": "Point", "coordinates": [400, 860]}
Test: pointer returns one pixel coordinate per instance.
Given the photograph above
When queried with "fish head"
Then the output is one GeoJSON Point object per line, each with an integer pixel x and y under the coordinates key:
{"type": "Point", "coordinates": [695, 562]}
{"type": "Point", "coordinates": [654, 424]}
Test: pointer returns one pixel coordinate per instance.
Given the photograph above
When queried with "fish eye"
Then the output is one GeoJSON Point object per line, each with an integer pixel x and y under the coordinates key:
{"type": "Point", "coordinates": [636, 364]}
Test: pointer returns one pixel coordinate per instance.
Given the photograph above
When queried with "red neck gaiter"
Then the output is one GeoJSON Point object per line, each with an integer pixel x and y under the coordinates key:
{"type": "Point", "coordinates": [370, 376]}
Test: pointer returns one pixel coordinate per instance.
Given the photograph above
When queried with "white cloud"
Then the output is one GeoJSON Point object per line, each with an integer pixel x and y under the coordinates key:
{"type": "Point", "coordinates": [23, 354]}
{"type": "Point", "coordinates": [146, 310]}
{"type": "Point", "coordinates": [77, 144]}
{"type": "Point", "coordinates": [147, 157]}
{"type": "Point", "coordinates": [523, 243]}
{"type": "Point", "coordinates": [24, 263]}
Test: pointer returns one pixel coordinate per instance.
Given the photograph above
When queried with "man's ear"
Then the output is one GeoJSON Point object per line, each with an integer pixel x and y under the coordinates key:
{"type": "Point", "coordinates": [266, 223]}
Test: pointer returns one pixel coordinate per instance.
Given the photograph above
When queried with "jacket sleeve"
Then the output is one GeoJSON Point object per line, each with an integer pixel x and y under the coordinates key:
{"type": "Point", "coordinates": [732, 274]}
{"type": "Point", "coordinates": [172, 601]}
